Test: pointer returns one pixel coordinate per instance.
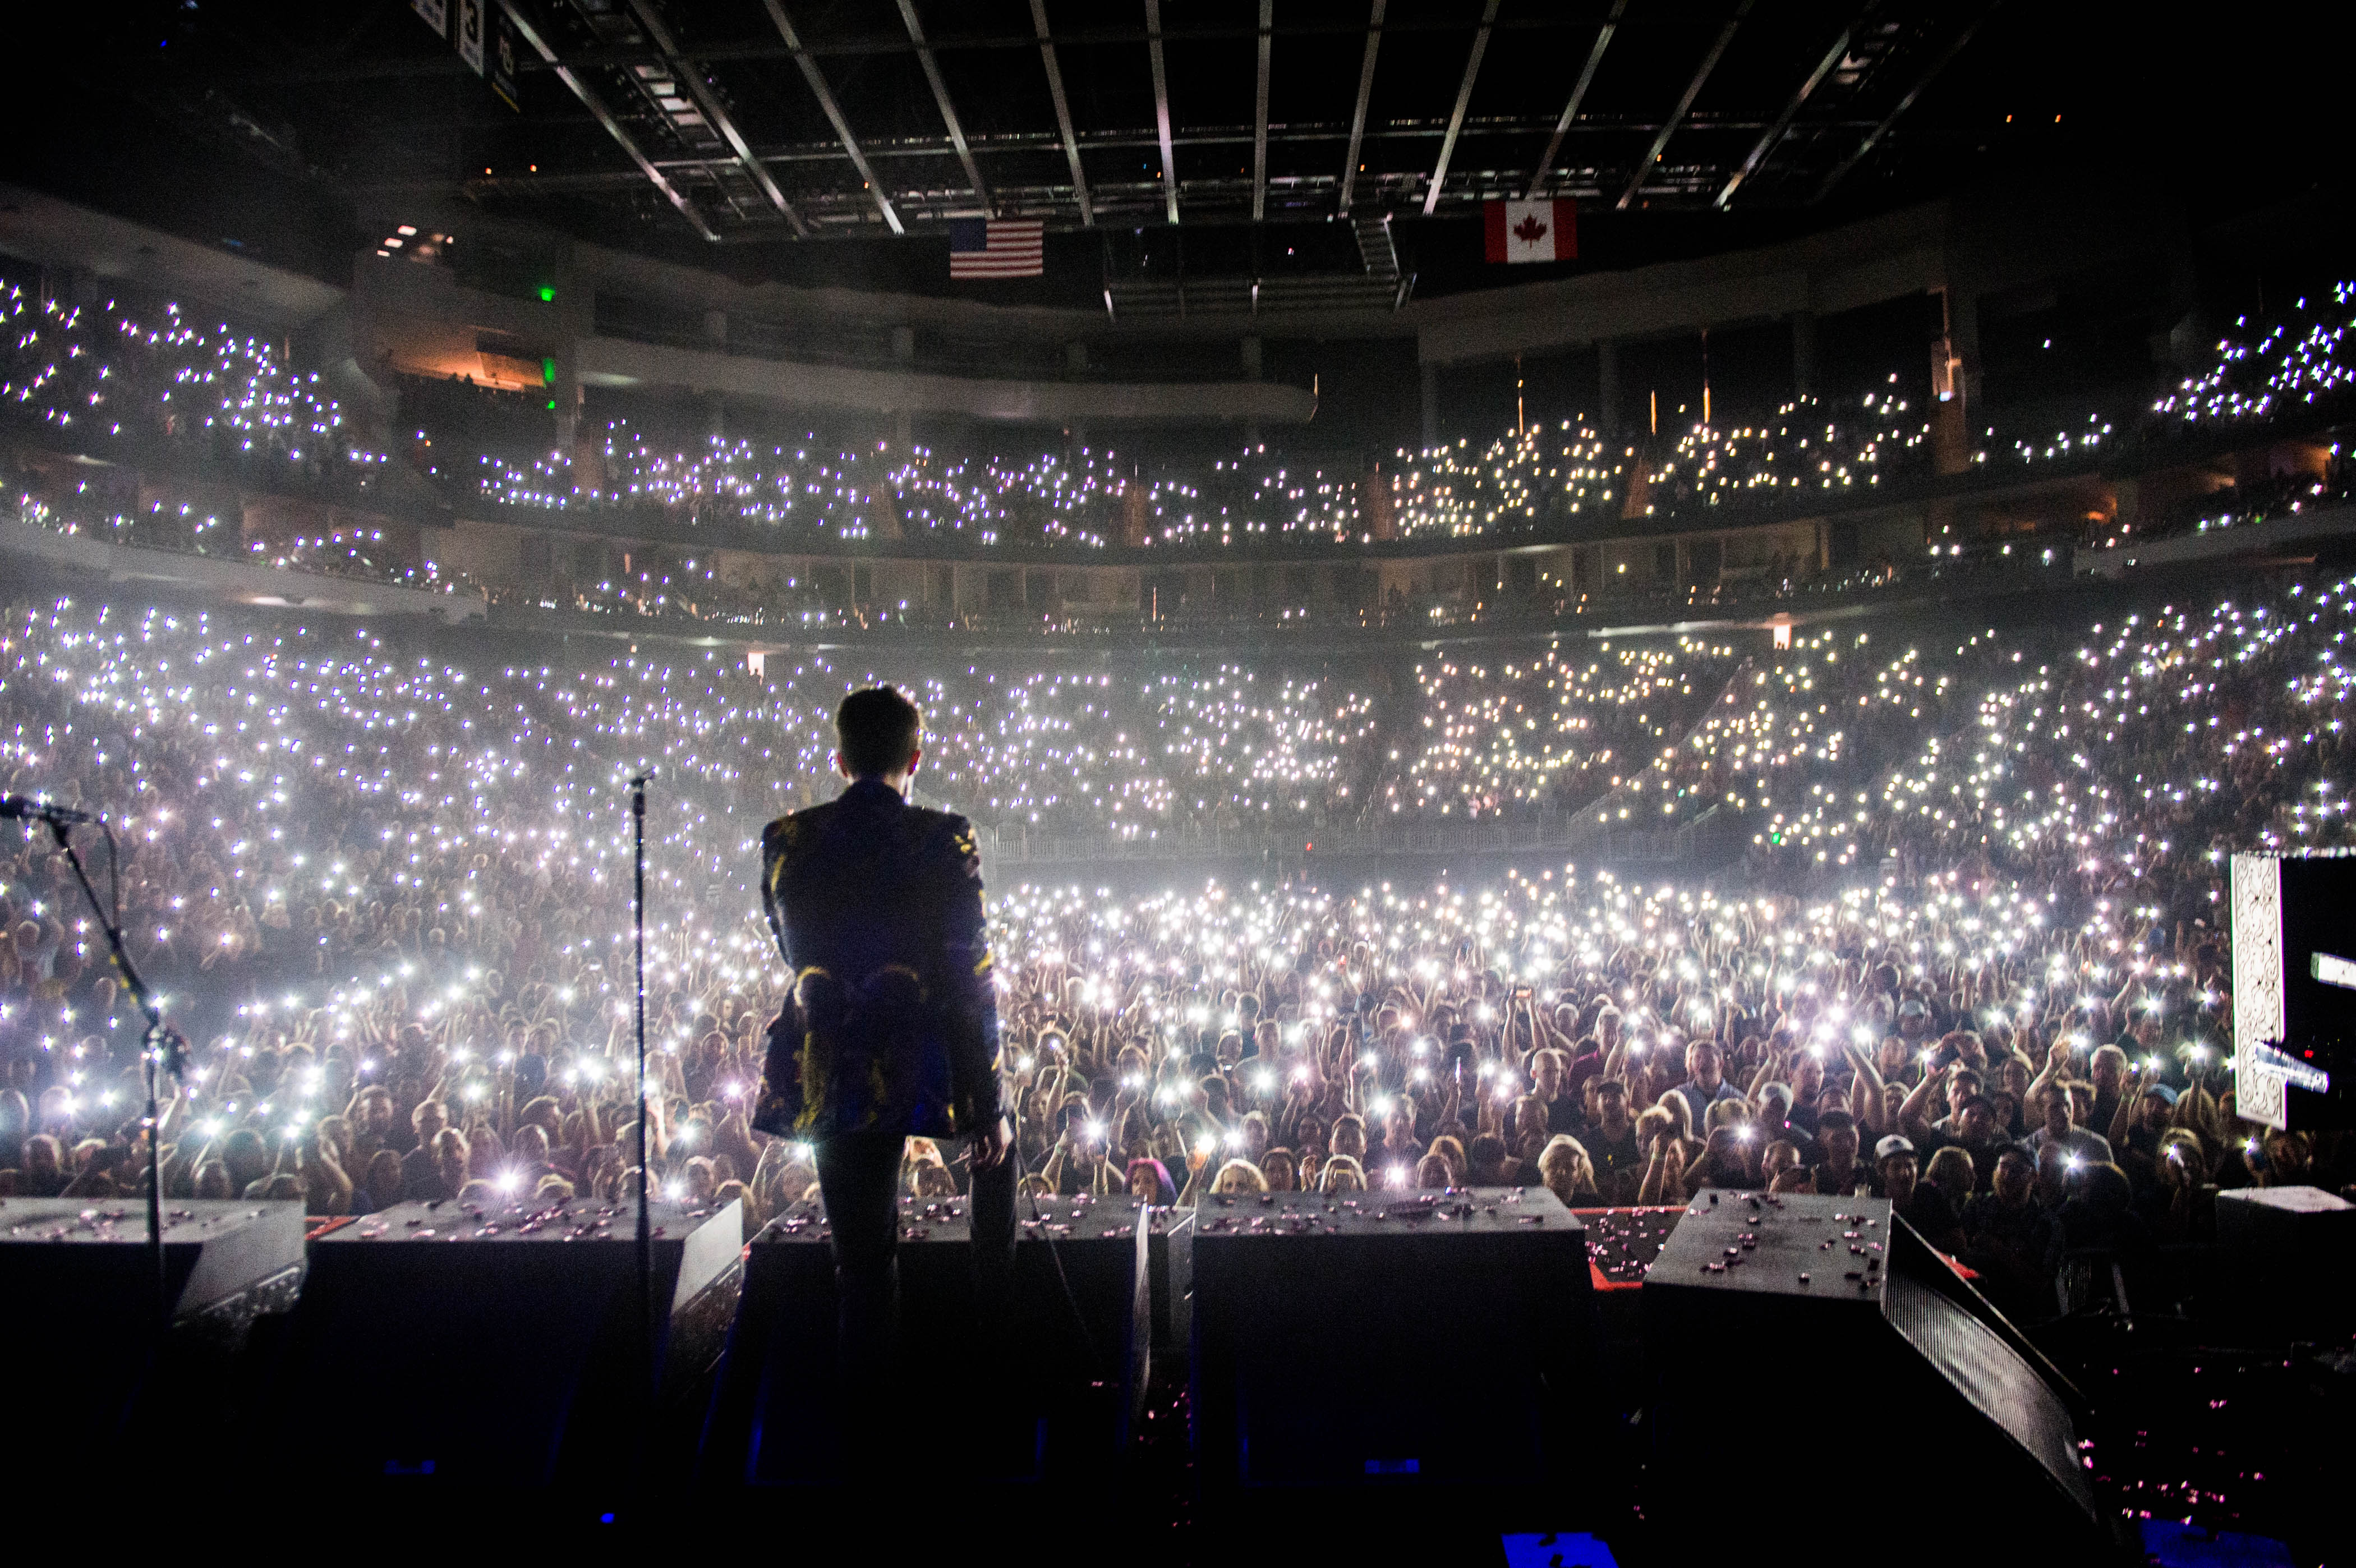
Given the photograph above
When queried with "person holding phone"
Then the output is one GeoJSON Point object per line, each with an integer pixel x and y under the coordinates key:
{"type": "Point", "coordinates": [2065, 1107]}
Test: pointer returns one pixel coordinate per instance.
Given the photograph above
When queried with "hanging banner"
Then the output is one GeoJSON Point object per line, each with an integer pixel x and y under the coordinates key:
{"type": "Point", "coordinates": [434, 13]}
{"type": "Point", "coordinates": [468, 39]}
{"type": "Point", "coordinates": [503, 62]}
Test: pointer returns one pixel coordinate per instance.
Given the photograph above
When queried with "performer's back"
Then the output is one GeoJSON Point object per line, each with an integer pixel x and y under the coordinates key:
{"type": "Point", "coordinates": [877, 905]}
{"type": "Point", "coordinates": [891, 1031]}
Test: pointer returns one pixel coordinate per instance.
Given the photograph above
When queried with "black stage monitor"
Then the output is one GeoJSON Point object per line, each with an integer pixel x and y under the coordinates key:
{"type": "Point", "coordinates": [1317, 1319]}
{"type": "Point", "coordinates": [2295, 989]}
{"type": "Point", "coordinates": [78, 1311]}
{"type": "Point", "coordinates": [1857, 1302]}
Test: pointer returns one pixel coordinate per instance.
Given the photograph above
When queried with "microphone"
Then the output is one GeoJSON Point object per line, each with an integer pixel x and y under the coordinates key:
{"type": "Point", "coordinates": [18, 808]}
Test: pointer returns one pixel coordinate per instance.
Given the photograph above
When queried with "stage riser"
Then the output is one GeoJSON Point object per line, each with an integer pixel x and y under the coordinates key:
{"type": "Point", "coordinates": [78, 1300]}
{"type": "Point", "coordinates": [775, 1415]}
{"type": "Point", "coordinates": [518, 1354]}
{"type": "Point", "coordinates": [1316, 1330]}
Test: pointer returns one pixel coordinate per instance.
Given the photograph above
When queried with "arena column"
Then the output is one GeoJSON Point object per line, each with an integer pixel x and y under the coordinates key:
{"type": "Point", "coordinates": [1076, 368]}
{"type": "Point", "coordinates": [904, 355]}
{"type": "Point", "coordinates": [1250, 350]}
{"type": "Point", "coordinates": [1954, 376]}
{"type": "Point", "coordinates": [570, 298]}
{"type": "Point", "coordinates": [564, 392]}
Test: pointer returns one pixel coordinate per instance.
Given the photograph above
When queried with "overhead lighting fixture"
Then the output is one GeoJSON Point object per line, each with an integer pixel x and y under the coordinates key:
{"type": "Point", "coordinates": [406, 229]}
{"type": "Point", "coordinates": [393, 242]}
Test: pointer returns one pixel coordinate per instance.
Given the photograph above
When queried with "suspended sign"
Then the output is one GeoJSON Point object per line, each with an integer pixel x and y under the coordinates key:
{"type": "Point", "coordinates": [503, 63]}
{"type": "Point", "coordinates": [468, 39]}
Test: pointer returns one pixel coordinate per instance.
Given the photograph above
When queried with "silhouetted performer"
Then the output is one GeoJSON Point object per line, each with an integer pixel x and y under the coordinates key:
{"type": "Point", "coordinates": [891, 1033]}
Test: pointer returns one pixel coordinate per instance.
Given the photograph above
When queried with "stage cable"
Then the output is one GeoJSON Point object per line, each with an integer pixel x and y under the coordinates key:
{"type": "Point", "coordinates": [1071, 1300]}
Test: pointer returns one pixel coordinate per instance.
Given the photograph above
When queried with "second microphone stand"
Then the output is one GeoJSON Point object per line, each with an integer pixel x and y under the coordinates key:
{"type": "Point", "coordinates": [161, 1051]}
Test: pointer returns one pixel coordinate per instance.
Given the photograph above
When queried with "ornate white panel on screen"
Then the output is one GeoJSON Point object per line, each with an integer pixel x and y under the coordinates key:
{"type": "Point", "coordinates": [2257, 983]}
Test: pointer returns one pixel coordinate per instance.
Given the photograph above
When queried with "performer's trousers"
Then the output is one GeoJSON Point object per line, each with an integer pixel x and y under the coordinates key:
{"type": "Point", "coordinates": [858, 1173]}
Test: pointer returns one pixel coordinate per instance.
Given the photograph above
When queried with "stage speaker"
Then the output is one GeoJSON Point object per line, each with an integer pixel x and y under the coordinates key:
{"type": "Point", "coordinates": [2294, 1250]}
{"type": "Point", "coordinates": [1874, 1338]}
{"type": "Point", "coordinates": [1335, 1340]}
{"type": "Point", "coordinates": [501, 1344]}
{"type": "Point", "coordinates": [78, 1311]}
{"type": "Point", "coordinates": [1068, 1394]}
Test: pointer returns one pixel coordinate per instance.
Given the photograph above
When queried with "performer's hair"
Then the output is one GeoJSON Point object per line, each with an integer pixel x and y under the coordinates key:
{"type": "Point", "coordinates": [876, 730]}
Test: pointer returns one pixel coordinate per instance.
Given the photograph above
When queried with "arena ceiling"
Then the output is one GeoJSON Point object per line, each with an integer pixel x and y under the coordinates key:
{"type": "Point", "coordinates": [755, 120]}
{"type": "Point", "coordinates": [752, 132]}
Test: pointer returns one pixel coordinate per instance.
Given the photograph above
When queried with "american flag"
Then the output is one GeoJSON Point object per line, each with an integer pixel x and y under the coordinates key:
{"type": "Point", "coordinates": [987, 248]}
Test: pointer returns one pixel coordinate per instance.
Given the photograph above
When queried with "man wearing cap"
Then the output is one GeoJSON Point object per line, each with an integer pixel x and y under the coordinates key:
{"type": "Point", "coordinates": [1913, 1020]}
{"type": "Point", "coordinates": [2014, 1241]}
{"type": "Point", "coordinates": [1610, 1141]}
{"type": "Point", "coordinates": [1918, 1203]}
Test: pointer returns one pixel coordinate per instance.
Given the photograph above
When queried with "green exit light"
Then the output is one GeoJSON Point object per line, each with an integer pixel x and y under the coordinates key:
{"type": "Point", "coordinates": [548, 370]}
{"type": "Point", "coordinates": [548, 294]}
{"type": "Point", "coordinates": [551, 405]}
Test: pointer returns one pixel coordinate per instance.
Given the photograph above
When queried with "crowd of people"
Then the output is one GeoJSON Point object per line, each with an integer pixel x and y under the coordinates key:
{"type": "Point", "coordinates": [114, 380]}
{"type": "Point", "coordinates": [1972, 957]}
{"type": "Point", "coordinates": [196, 519]}
{"type": "Point", "coordinates": [2262, 367]}
{"type": "Point", "coordinates": [1516, 484]}
{"type": "Point", "coordinates": [2284, 494]}
{"type": "Point", "coordinates": [1536, 476]}
{"type": "Point", "coordinates": [372, 877]}
{"type": "Point", "coordinates": [125, 379]}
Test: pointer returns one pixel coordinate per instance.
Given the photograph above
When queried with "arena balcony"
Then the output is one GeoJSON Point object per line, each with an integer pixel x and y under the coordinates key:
{"type": "Point", "coordinates": [1746, 561]}
{"type": "Point", "coordinates": [766, 537]}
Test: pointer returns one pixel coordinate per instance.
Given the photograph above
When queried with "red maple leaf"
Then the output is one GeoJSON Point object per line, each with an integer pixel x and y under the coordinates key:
{"type": "Point", "coordinates": [1530, 231]}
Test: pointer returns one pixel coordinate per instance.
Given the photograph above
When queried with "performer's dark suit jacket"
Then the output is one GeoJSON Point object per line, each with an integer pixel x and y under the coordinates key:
{"type": "Point", "coordinates": [893, 1025]}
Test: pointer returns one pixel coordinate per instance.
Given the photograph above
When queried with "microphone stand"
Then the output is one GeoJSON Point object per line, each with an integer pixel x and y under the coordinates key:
{"type": "Point", "coordinates": [160, 1052]}
{"type": "Point", "coordinates": [646, 1260]}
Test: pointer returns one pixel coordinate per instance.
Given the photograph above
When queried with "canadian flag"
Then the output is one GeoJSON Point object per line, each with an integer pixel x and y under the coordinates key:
{"type": "Point", "coordinates": [1532, 230]}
